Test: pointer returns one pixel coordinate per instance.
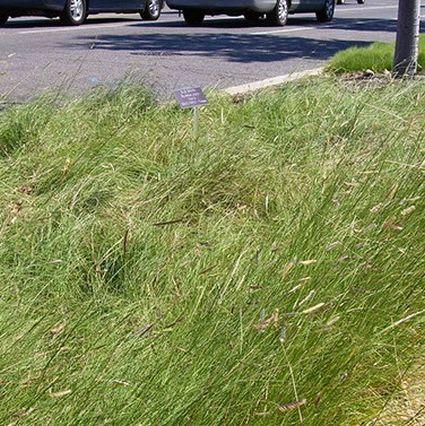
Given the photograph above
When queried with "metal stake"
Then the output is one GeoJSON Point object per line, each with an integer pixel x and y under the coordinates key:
{"type": "Point", "coordinates": [196, 122]}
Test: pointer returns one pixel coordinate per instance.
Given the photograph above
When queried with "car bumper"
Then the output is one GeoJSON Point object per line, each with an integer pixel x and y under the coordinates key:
{"type": "Point", "coordinates": [223, 5]}
{"type": "Point", "coordinates": [32, 5]}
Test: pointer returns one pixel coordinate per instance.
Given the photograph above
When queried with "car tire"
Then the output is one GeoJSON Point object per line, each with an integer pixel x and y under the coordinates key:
{"type": "Point", "coordinates": [193, 17]}
{"type": "Point", "coordinates": [75, 12]}
{"type": "Point", "coordinates": [340, 2]}
{"type": "Point", "coordinates": [327, 12]}
{"type": "Point", "coordinates": [3, 19]}
{"type": "Point", "coordinates": [152, 11]}
{"type": "Point", "coordinates": [360, 1]}
{"type": "Point", "coordinates": [252, 17]}
{"type": "Point", "coordinates": [279, 15]}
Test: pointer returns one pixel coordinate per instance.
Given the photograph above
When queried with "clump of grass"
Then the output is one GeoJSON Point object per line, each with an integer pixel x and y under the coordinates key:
{"type": "Point", "coordinates": [270, 270]}
{"type": "Point", "coordinates": [377, 57]}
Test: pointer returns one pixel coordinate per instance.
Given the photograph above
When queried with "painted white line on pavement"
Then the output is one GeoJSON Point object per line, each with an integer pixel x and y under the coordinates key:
{"type": "Point", "coordinates": [287, 30]}
{"type": "Point", "coordinates": [270, 82]}
{"type": "Point", "coordinates": [95, 27]}
{"type": "Point", "coordinates": [91, 26]}
{"type": "Point", "coordinates": [356, 9]}
{"type": "Point", "coordinates": [85, 27]}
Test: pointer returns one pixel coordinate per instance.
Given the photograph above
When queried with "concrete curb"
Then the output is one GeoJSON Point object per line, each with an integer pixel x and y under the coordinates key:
{"type": "Point", "coordinates": [270, 82]}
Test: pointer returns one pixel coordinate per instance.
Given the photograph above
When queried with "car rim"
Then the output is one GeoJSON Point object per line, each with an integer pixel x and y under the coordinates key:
{"type": "Point", "coordinates": [282, 10]}
{"type": "Point", "coordinates": [154, 7]}
{"type": "Point", "coordinates": [330, 8]}
{"type": "Point", "coordinates": [77, 9]}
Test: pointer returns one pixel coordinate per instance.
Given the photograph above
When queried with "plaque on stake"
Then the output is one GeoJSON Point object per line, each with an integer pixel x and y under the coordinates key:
{"type": "Point", "coordinates": [192, 97]}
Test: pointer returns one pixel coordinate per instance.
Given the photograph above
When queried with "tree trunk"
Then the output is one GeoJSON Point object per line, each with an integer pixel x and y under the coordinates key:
{"type": "Point", "coordinates": [407, 44]}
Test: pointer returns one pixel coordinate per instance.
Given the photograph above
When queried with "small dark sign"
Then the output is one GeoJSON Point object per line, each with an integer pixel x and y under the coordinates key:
{"type": "Point", "coordinates": [191, 97]}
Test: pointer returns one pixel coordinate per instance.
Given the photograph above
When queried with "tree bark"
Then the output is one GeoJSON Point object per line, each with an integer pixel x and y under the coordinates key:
{"type": "Point", "coordinates": [407, 44]}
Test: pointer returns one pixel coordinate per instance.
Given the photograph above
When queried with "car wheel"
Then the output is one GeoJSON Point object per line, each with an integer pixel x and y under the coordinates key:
{"type": "Point", "coordinates": [252, 17]}
{"type": "Point", "coordinates": [193, 17]}
{"type": "Point", "coordinates": [327, 12]}
{"type": "Point", "coordinates": [75, 12]}
{"type": "Point", "coordinates": [340, 2]}
{"type": "Point", "coordinates": [279, 15]}
{"type": "Point", "coordinates": [152, 10]}
{"type": "Point", "coordinates": [360, 1]}
{"type": "Point", "coordinates": [3, 19]}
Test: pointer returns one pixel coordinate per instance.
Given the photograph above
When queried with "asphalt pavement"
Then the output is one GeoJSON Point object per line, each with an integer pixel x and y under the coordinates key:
{"type": "Point", "coordinates": [39, 55]}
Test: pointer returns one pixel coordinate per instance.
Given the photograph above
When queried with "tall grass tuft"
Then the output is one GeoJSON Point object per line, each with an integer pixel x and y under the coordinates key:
{"type": "Point", "coordinates": [377, 57]}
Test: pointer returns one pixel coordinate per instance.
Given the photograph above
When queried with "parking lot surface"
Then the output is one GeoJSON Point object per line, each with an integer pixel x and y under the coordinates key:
{"type": "Point", "coordinates": [39, 55]}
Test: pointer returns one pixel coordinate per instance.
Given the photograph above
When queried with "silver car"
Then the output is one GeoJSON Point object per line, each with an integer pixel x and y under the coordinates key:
{"type": "Point", "coordinates": [274, 11]}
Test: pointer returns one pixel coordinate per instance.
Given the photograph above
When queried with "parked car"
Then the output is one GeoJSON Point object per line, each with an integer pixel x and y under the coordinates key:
{"type": "Point", "coordinates": [275, 11]}
{"type": "Point", "coordinates": [75, 12]}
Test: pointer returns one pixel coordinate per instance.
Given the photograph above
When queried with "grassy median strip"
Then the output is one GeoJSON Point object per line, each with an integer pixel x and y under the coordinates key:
{"type": "Point", "coordinates": [377, 57]}
{"type": "Point", "coordinates": [269, 272]}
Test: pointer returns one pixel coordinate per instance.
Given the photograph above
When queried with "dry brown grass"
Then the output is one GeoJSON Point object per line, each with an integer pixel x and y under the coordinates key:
{"type": "Point", "coordinates": [408, 408]}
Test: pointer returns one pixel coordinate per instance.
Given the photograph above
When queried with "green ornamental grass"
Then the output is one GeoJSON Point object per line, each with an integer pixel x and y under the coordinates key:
{"type": "Point", "coordinates": [270, 272]}
{"type": "Point", "coordinates": [377, 57]}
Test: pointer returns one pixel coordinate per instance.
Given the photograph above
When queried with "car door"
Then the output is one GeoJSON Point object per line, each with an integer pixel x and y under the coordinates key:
{"type": "Point", "coordinates": [295, 5]}
{"type": "Point", "coordinates": [129, 4]}
{"type": "Point", "coordinates": [99, 5]}
{"type": "Point", "coordinates": [310, 5]}
{"type": "Point", "coordinates": [117, 5]}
